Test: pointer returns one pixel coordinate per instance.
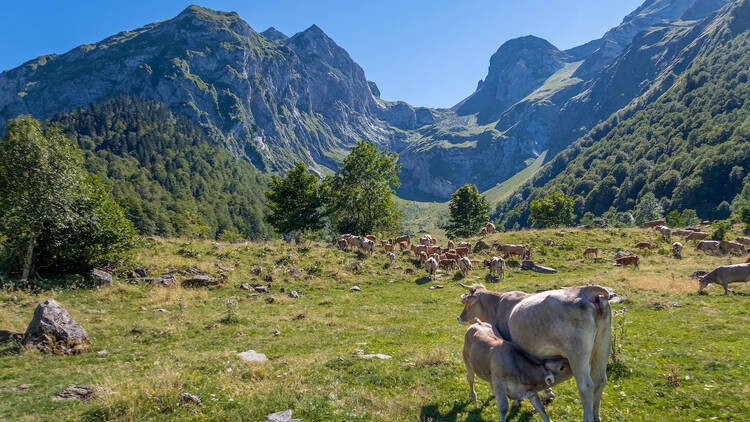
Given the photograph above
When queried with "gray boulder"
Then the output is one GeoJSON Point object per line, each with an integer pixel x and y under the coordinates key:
{"type": "Point", "coordinates": [543, 270]}
{"type": "Point", "coordinates": [200, 280]}
{"type": "Point", "coordinates": [101, 278]}
{"type": "Point", "coordinates": [285, 416]}
{"type": "Point", "coordinates": [53, 330]}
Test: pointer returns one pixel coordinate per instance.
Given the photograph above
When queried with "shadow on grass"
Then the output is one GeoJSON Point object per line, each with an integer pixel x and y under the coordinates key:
{"type": "Point", "coordinates": [489, 278]}
{"type": "Point", "coordinates": [431, 413]}
{"type": "Point", "coordinates": [422, 280]}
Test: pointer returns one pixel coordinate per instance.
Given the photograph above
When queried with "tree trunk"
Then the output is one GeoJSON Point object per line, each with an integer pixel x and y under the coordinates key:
{"type": "Point", "coordinates": [27, 260]}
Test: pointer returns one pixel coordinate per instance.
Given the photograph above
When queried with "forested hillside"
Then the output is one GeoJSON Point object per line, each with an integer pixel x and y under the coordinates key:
{"type": "Point", "coordinates": [166, 172]}
{"type": "Point", "coordinates": [691, 147]}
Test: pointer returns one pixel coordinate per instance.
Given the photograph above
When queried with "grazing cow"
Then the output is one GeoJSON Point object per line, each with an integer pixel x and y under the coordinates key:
{"type": "Point", "coordinates": [422, 257]}
{"type": "Point", "coordinates": [418, 248]}
{"type": "Point", "coordinates": [365, 245]}
{"type": "Point", "coordinates": [383, 243]}
{"type": "Point", "coordinates": [664, 230]}
{"type": "Point", "coordinates": [433, 250]}
{"type": "Point", "coordinates": [697, 236]}
{"type": "Point", "coordinates": [388, 247]}
{"type": "Point", "coordinates": [737, 273]}
{"type": "Point", "coordinates": [404, 238]}
{"type": "Point", "coordinates": [464, 265]}
{"type": "Point", "coordinates": [509, 369]}
{"type": "Point", "coordinates": [451, 245]}
{"type": "Point", "coordinates": [573, 322]}
{"type": "Point", "coordinates": [342, 244]}
{"type": "Point", "coordinates": [643, 245]}
{"type": "Point", "coordinates": [591, 251]}
{"type": "Point", "coordinates": [464, 245]}
{"type": "Point", "coordinates": [447, 264]}
{"type": "Point", "coordinates": [628, 260]}
{"type": "Point", "coordinates": [483, 232]}
{"type": "Point", "coordinates": [451, 255]}
{"type": "Point", "coordinates": [462, 251]}
{"type": "Point", "coordinates": [708, 246]}
{"type": "Point", "coordinates": [425, 240]}
{"type": "Point", "coordinates": [490, 228]}
{"type": "Point", "coordinates": [496, 265]}
{"type": "Point", "coordinates": [731, 247]}
{"type": "Point", "coordinates": [392, 258]}
{"type": "Point", "coordinates": [431, 266]}
{"type": "Point", "coordinates": [371, 237]}
{"type": "Point", "coordinates": [655, 223]}
{"type": "Point", "coordinates": [677, 250]}
{"type": "Point", "coordinates": [402, 246]}
{"type": "Point", "coordinates": [509, 250]}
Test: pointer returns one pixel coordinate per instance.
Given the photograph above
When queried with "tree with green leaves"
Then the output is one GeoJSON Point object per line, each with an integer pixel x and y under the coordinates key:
{"type": "Point", "coordinates": [690, 217]}
{"type": "Point", "coordinates": [359, 198]}
{"type": "Point", "coordinates": [554, 210]}
{"type": "Point", "coordinates": [648, 208]}
{"type": "Point", "coordinates": [674, 219]}
{"type": "Point", "coordinates": [54, 216]}
{"type": "Point", "coordinates": [295, 202]}
{"type": "Point", "coordinates": [469, 212]}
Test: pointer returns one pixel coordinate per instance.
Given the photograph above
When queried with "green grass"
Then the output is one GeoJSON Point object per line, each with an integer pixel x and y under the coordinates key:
{"type": "Point", "coordinates": [314, 368]}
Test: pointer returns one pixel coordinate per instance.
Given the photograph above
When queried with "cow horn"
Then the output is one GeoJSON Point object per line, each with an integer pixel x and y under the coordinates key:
{"type": "Point", "coordinates": [469, 288]}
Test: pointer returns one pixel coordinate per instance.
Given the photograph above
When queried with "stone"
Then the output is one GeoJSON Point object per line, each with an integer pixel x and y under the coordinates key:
{"type": "Point", "coordinates": [674, 305]}
{"type": "Point", "coordinates": [621, 254]}
{"type": "Point", "coordinates": [101, 277]}
{"type": "Point", "coordinates": [270, 299]}
{"type": "Point", "coordinates": [192, 270]}
{"type": "Point", "coordinates": [293, 294]}
{"type": "Point", "coordinates": [53, 330]}
{"type": "Point", "coordinates": [252, 295]}
{"type": "Point", "coordinates": [252, 356]}
{"type": "Point", "coordinates": [398, 267]}
{"type": "Point", "coordinates": [163, 281]}
{"type": "Point", "coordinates": [140, 272]}
{"type": "Point", "coordinates": [187, 398]}
{"type": "Point", "coordinates": [356, 266]}
{"type": "Point", "coordinates": [435, 287]}
{"type": "Point", "coordinates": [285, 416]}
{"type": "Point", "coordinates": [363, 355]}
{"type": "Point", "coordinates": [543, 270]}
{"type": "Point", "coordinates": [246, 286]}
{"type": "Point", "coordinates": [275, 332]}
{"type": "Point", "coordinates": [295, 272]}
{"type": "Point", "coordinates": [308, 278]}
{"type": "Point", "coordinates": [223, 268]}
{"type": "Point", "coordinates": [261, 289]}
{"type": "Point", "coordinates": [257, 270]}
{"type": "Point", "coordinates": [408, 271]}
{"type": "Point", "coordinates": [22, 387]}
{"type": "Point", "coordinates": [82, 393]}
{"type": "Point", "coordinates": [9, 335]}
{"type": "Point", "coordinates": [355, 289]}
{"type": "Point", "coordinates": [160, 310]}
{"type": "Point", "coordinates": [199, 280]}
{"type": "Point", "coordinates": [527, 264]}
{"type": "Point", "coordinates": [480, 246]}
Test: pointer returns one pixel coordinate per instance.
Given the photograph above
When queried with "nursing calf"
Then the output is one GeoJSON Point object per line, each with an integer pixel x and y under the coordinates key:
{"type": "Point", "coordinates": [510, 371]}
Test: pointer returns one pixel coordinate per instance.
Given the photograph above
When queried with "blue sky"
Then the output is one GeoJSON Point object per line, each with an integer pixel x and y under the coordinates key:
{"type": "Point", "coordinates": [428, 53]}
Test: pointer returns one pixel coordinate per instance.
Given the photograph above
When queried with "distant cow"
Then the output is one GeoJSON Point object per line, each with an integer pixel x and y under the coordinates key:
{"type": "Point", "coordinates": [591, 251]}
{"type": "Point", "coordinates": [677, 250]}
{"type": "Point", "coordinates": [433, 250]}
{"type": "Point", "coordinates": [431, 266]}
{"type": "Point", "coordinates": [392, 258]}
{"type": "Point", "coordinates": [509, 250]}
{"type": "Point", "coordinates": [643, 245]}
{"type": "Point", "coordinates": [652, 224]}
{"type": "Point", "coordinates": [462, 251]}
{"type": "Point", "coordinates": [732, 247]}
{"type": "Point", "coordinates": [664, 230]}
{"type": "Point", "coordinates": [404, 238]}
{"type": "Point", "coordinates": [425, 240]}
{"type": "Point", "coordinates": [451, 245]}
{"type": "Point", "coordinates": [388, 247]}
{"type": "Point", "coordinates": [464, 265]}
{"type": "Point", "coordinates": [422, 257]}
{"type": "Point", "coordinates": [708, 246]}
{"type": "Point", "coordinates": [509, 368]}
{"type": "Point", "coordinates": [737, 273]}
{"type": "Point", "coordinates": [447, 264]}
{"type": "Point", "coordinates": [371, 237]}
{"type": "Point", "coordinates": [365, 245]}
{"type": "Point", "coordinates": [697, 236]}
{"type": "Point", "coordinates": [416, 249]}
{"type": "Point", "coordinates": [490, 228]}
{"type": "Point", "coordinates": [628, 260]}
{"type": "Point", "coordinates": [496, 265]}
{"type": "Point", "coordinates": [403, 245]}
{"type": "Point", "coordinates": [464, 245]}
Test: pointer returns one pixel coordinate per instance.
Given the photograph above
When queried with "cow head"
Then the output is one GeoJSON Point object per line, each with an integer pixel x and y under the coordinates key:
{"type": "Point", "coordinates": [556, 369]}
{"type": "Point", "coordinates": [472, 304]}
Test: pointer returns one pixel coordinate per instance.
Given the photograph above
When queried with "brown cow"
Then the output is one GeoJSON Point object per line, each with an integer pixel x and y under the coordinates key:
{"type": "Point", "coordinates": [462, 252]}
{"type": "Point", "coordinates": [464, 245]}
{"type": "Point", "coordinates": [496, 265]}
{"type": "Point", "coordinates": [402, 246]}
{"type": "Point", "coordinates": [643, 245]}
{"type": "Point", "coordinates": [510, 250]}
{"type": "Point", "coordinates": [416, 249]}
{"type": "Point", "coordinates": [731, 247]}
{"type": "Point", "coordinates": [628, 260]}
{"type": "Point", "coordinates": [451, 255]}
{"type": "Point", "coordinates": [508, 368]}
{"type": "Point", "coordinates": [433, 250]}
{"type": "Point", "coordinates": [490, 228]}
{"type": "Point", "coordinates": [451, 245]}
{"type": "Point", "coordinates": [388, 247]}
{"type": "Point", "coordinates": [404, 238]}
{"type": "Point", "coordinates": [422, 257]}
{"type": "Point", "coordinates": [697, 236]}
{"type": "Point", "coordinates": [591, 251]}
{"type": "Point", "coordinates": [447, 264]}
{"type": "Point", "coordinates": [371, 237]}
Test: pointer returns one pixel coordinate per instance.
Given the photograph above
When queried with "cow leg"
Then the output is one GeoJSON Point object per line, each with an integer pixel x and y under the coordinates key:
{"type": "Point", "coordinates": [548, 396]}
{"type": "Point", "coordinates": [539, 407]}
{"type": "Point", "coordinates": [501, 396]}
{"type": "Point", "coordinates": [470, 380]}
{"type": "Point", "coordinates": [579, 364]}
{"type": "Point", "coordinates": [599, 370]}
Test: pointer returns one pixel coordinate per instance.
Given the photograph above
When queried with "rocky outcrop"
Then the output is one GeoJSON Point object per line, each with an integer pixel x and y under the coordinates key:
{"type": "Point", "coordinates": [53, 330]}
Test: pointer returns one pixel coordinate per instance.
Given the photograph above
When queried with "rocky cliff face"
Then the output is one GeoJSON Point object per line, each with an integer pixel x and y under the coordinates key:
{"type": "Point", "coordinates": [270, 98]}
{"type": "Point", "coordinates": [536, 97]}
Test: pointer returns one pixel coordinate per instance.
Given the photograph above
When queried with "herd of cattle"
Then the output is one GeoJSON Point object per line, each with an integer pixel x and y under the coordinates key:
{"type": "Point", "coordinates": [524, 343]}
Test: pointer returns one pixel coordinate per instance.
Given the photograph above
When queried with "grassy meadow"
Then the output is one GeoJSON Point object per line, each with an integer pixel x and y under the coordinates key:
{"type": "Point", "coordinates": [687, 363]}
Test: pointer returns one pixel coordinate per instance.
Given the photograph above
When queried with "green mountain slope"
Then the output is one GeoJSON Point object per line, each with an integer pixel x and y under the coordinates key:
{"type": "Point", "coordinates": [690, 147]}
{"type": "Point", "coordinates": [169, 176]}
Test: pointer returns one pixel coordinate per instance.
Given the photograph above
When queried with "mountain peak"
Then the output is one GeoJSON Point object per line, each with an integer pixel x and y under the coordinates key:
{"type": "Point", "coordinates": [206, 14]}
{"type": "Point", "coordinates": [274, 34]}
